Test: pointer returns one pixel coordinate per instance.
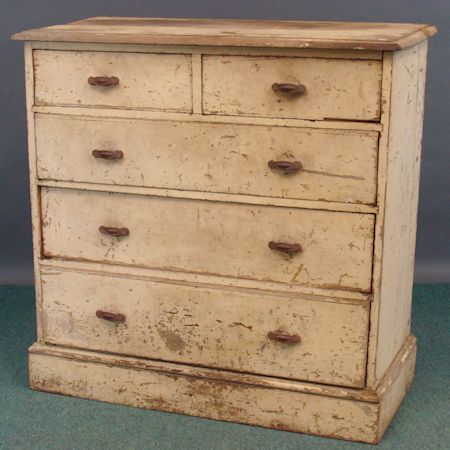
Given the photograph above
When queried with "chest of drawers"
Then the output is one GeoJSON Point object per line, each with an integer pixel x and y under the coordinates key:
{"type": "Point", "coordinates": [224, 217]}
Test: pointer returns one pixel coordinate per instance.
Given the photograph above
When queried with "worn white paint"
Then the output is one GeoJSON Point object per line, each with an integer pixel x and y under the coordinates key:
{"type": "Point", "coordinates": [336, 89]}
{"type": "Point", "coordinates": [198, 244]}
{"type": "Point", "coordinates": [275, 403]}
{"type": "Point", "coordinates": [208, 326]}
{"type": "Point", "coordinates": [146, 81]}
{"type": "Point", "coordinates": [209, 237]}
{"type": "Point", "coordinates": [400, 205]}
{"type": "Point", "coordinates": [338, 166]}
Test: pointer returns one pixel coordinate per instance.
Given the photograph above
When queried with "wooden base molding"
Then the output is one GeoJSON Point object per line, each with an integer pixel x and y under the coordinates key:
{"type": "Point", "coordinates": [358, 415]}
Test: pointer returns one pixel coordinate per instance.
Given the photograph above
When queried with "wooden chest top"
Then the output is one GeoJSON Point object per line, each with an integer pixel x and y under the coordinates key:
{"type": "Point", "coordinates": [248, 33]}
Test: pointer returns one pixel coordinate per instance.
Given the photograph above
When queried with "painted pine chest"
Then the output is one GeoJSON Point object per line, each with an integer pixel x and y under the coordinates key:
{"type": "Point", "coordinates": [224, 216]}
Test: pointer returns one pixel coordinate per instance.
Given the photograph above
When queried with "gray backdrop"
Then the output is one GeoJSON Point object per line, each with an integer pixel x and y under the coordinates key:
{"type": "Point", "coordinates": [432, 263]}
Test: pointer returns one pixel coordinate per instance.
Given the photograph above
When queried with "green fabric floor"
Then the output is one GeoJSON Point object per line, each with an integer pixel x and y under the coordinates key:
{"type": "Point", "coordinates": [36, 420]}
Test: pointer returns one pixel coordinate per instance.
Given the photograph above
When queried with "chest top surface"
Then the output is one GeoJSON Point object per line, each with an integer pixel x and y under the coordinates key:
{"type": "Point", "coordinates": [227, 32]}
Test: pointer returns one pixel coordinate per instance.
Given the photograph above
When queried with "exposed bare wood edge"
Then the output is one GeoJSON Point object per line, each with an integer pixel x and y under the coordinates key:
{"type": "Point", "coordinates": [34, 189]}
{"type": "Point", "coordinates": [416, 37]}
{"type": "Point", "coordinates": [59, 35]}
{"type": "Point", "coordinates": [209, 50]}
{"type": "Point", "coordinates": [155, 115]}
{"type": "Point", "coordinates": [205, 280]}
{"type": "Point", "coordinates": [213, 197]}
{"type": "Point", "coordinates": [183, 370]}
{"type": "Point", "coordinates": [379, 221]}
{"type": "Point", "coordinates": [204, 373]}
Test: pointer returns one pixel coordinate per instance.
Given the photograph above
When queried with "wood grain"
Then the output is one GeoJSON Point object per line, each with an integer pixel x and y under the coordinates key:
{"type": "Point", "coordinates": [248, 33]}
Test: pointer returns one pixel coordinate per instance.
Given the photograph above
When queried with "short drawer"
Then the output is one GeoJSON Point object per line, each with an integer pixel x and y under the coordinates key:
{"type": "Point", "coordinates": [334, 165]}
{"type": "Point", "coordinates": [306, 338]}
{"type": "Point", "coordinates": [312, 247]}
{"type": "Point", "coordinates": [133, 80]}
{"type": "Point", "coordinates": [335, 88]}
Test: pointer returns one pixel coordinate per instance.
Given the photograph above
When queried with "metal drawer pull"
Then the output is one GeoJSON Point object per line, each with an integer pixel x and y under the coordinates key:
{"type": "Point", "coordinates": [290, 249]}
{"type": "Point", "coordinates": [107, 154]}
{"type": "Point", "coordinates": [103, 81]}
{"type": "Point", "coordinates": [113, 231]}
{"type": "Point", "coordinates": [284, 336]}
{"type": "Point", "coordinates": [111, 317]}
{"type": "Point", "coordinates": [289, 89]}
{"type": "Point", "coordinates": [285, 167]}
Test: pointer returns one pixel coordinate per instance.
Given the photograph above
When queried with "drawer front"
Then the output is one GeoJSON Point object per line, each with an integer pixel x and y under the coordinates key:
{"type": "Point", "coordinates": [211, 237]}
{"type": "Point", "coordinates": [335, 88]}
{"type": "Point", "coordinates": [336, 165]}
{"type": "Point", "coordinates": [211, 327]}
{"type": "Point", "coordinates": [145, 81]}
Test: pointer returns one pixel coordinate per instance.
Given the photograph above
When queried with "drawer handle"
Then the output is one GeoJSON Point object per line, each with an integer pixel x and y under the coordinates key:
{"type": "Point", "coordinates": [108, 154]}
{"type": "Point", "coordinates": [285, 167]}
{"type": "Point", "coordinates": [103, 81]}
{"type": "Point", "coordinates": [111, 317]}
{"type": "Point", "coordinates": [289, 89]}
{"type": "Point", "coordinates": [290, 249]}
{"type": "Point", "coordinates": [283, 336]}
{"type": "Point", "coordinates": [113, 231]}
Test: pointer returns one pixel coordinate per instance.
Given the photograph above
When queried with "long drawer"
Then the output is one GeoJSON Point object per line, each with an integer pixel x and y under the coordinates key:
{"type": "Point", "coordinates": [311, 247]}
{"type": "Point", "coordinates": [332, 165]}
{"type": "Point", "coordinates": [307, 338]}
{"type": "Point", "coordinates": [319, 88]}
{"type": "Point", "coordinates": [113, 79]}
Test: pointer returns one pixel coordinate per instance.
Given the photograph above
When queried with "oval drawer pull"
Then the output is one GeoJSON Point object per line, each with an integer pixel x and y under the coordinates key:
{"type": "Point", "coordinates": [113, 231]}
{"type": "Point", "coordinates": [289, 89]}
{"type": "Point", "coordinates": [285, 167]}
{"type": "Point", "coordinates": [103, 81]}
{"type": "Point", "coordinates": [290, 249]}
{"type": "Point", "coordinates": [107, 154]}
{"type": "Point", "coordinates": [109, 316]}
{"type": "Point", "coordinates": [283, 336]}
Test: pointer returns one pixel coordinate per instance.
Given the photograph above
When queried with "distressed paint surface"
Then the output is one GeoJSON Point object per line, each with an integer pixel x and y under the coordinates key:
{"type": "Point", "coordinates": [199, 227]}
{"type": "Point", "coordinates": [190, 278]}
{"type": "Point", "coordinates": [150, 81]}
{"type": "Point", "coordinates": [401, 199]}
{"type": "Point", "coordinates": [337, 165]}
{"type": "Point", "coordinates": [210, 327]}
{"type": "Point", "coordinates": [400, 375]}
{"type": "Point", "coordinates": [336, 89]}
{"type": "Point", "coordinates": [312, 414]}
{"type": "Point", "coordinates": [221, 395]}
{"type": "Point", "coordinates": [210, 237]}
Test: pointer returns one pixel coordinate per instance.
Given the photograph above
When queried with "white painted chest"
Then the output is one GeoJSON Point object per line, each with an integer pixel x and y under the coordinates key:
{"type": "Point", "coordinates": [224, 216]}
